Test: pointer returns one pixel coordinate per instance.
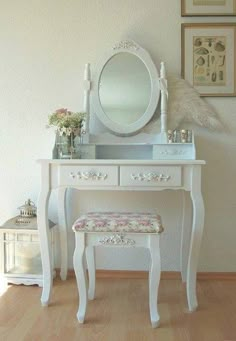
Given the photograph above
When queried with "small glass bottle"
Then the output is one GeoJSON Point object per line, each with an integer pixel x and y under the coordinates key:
{"type": "Point", "coordinates": [170, 136]}
{"type": "Point", "coordinates": [189, 136]}
{"type": "Point", "coordinates": [183, 135]}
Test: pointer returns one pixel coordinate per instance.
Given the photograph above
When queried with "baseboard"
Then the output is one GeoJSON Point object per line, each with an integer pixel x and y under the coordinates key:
{"type": "Point", "coordinates": [216, 275]}
{"type": "Point", "coordinates": [112, 274]}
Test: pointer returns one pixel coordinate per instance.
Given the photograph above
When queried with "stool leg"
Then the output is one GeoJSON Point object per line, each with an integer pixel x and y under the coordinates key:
{"type": "Point", "coordinates": [91, 271]}
{"type": "Point", "coordinates": [154, 278]}
{"type": "Point", "coordinates": [80, 273]}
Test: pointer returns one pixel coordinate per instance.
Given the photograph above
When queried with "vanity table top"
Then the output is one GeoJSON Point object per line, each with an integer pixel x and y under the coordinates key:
{"type": "Point", "coordinates": [121, 162]}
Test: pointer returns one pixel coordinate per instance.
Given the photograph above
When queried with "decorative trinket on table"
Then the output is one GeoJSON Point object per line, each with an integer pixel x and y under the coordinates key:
{"type": "Point", "coordinates": [27, 211]}
{"type": "Point", "coordinates": [69, 133]}
{"type": "Point", "coordinates": [179, 136]}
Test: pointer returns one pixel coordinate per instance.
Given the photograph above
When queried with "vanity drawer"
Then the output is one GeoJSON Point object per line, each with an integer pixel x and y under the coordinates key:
{"type": "Point", "coordinates": [88, 175]}
{"type": "Point", "coordinates": [150, 176]}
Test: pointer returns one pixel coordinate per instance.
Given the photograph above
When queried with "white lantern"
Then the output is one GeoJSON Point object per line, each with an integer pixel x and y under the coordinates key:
{"type": "Point", "coordinates": [20, 258]}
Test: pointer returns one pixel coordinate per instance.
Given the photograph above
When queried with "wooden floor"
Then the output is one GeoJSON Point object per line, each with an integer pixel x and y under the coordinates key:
{"type": "Point", "coordinates": [120, 312]}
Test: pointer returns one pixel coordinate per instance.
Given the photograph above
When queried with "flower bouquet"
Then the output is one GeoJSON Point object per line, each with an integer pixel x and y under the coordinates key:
{"type": "Point", "coordinates": [69, 132]}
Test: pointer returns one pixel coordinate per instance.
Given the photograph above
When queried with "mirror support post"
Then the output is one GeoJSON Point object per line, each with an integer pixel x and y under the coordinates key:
{"type": "Point", "coordinates": [164, 95]}
{"type": "Point", "coordinates": [87, 88]}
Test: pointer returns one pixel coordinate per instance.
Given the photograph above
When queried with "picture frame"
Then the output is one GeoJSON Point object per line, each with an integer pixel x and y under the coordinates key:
{"type": "Point", "coordinates": [208, 8]}
{"type": "Point", "coordinates": [208, 57]}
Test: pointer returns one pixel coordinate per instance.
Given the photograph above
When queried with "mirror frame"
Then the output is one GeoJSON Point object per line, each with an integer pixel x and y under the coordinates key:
{"type": "Point", "coordinates": [114, 127]}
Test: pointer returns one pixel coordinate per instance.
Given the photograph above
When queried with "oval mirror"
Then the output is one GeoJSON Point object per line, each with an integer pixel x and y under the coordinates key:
{"type": "Point", "coordinates": [126, 99]}
{"type": "Point", "coordinates": [126, 89]}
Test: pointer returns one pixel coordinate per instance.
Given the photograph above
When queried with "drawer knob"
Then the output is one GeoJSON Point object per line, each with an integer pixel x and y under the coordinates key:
{"type": "Point", "coordinates": [150, 177]}
{"type": "Point", "coordinates": [91, 176]}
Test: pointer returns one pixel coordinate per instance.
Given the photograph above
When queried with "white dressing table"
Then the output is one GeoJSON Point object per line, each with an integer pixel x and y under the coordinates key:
{"type": "Point", "coordinates": [120, 175]}
{"type": "Point", "coordinates": [115, 166]}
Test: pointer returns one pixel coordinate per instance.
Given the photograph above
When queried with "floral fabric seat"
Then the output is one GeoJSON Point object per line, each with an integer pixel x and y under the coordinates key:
{"type": "Point", "coordinates": [115, 229]}
{"type": "Point", "coordinates": [119, 222]}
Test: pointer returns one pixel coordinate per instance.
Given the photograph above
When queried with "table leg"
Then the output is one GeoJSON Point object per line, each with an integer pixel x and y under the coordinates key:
{"type": "Point", "coordinates": [196, 236]}
{"type": "Point", "coordinates": [185, 234]}
{"type": "Point", "coordinates": [62, 222]}
{"type": "Point", "coordinates": [90, 257]}
{"type": "Point", "coordinates": [44, 236]}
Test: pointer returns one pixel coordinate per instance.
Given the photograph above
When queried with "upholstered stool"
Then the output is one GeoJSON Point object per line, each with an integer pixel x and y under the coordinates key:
{"type": "Point", "coordinates": [106, 229]}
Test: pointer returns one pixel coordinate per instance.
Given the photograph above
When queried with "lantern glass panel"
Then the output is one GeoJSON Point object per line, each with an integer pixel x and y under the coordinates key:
{"type": "Point", "coordinates": [22, 253]}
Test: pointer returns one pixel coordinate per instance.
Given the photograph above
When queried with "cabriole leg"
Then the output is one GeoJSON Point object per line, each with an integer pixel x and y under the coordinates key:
{"type": "Point", "coordinates": [63, 232]}
{"type": "Point", "coordinates": [154, 278]}
{"type": "Point", "coordinates": [44, 238]}
{"type": "Point", "coordinates": [185, 234]}
{"type": "Point", "coordinates": [80, 273]}
{"type": "Point", "coordinates": [196, 237]}
{"type": "Point", "coordinates": [91, 271]}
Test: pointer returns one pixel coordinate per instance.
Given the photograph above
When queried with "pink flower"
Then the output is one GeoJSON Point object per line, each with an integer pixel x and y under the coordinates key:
{"type": "Point", "coordinates": [144, 222]}
{"type": "Point", "coordinates": [100, 223]}
{"type": "Point", "coordinates": [122, 222]}
{"type": "Point", "coordinates": [61, 111]}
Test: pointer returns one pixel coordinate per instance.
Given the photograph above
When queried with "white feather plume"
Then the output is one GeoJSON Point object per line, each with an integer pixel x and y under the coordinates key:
{"type": "Point", "coordinates": [186, 105]}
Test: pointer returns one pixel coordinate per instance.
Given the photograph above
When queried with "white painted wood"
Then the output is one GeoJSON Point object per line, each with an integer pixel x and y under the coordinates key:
{"type": "Point", "coordinates": [132, 132]}
{"type": "Point", "coordinates": [94, 239]}
{"type": "Point", "coordinates": [174, 151]}
{"type": "Point", "coordinates": [80, 272]}
{"type": "Point", "coordinates": [150, 176]}
{"type": "Point", "coordinates": [190, 182]}
{"type": "Point", "coordinates": [25, 281]}
{"type": "Point", "coordinates": [2, 254]}
{"type": "Point", "coordinates": [89, 176]}
{"type": "Point", "coordinates": [62, 224]}
{"type": "Point", "coordinates": [164, 95]}
{"type": "Point", "coordinates": [156, 147]}
{"type": "Point", "coordinates": [43, 227]}
{"type": "Point", "coordinates": [90, 257]}
{"type": "Point", "coordinates": [96, 162]}
{"type": "Point", "coordinates": [138, 151]}
{"type": "Point", "coordinates": [185, 234]}
{"type": "Point", "coordinates": [87, 151]}
{"type": "Point", "coordinates": [154, 278]}
{"type": "Point", "coordinates": [141, 138]}
{"type": "Point", "coordinates": [87, 241]}
{"type": "Point", "coordinates": [134, 49]}
{"type": "Point", "coordinates": [87, 88]}
{"type": "Point", "coordinates": [19, 267]}
{"type": "Point", "coordinates": [196, 237]}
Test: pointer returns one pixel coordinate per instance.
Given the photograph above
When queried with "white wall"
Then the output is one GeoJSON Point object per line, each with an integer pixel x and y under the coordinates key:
{"type": "Point", "coordinates": [44, 46]}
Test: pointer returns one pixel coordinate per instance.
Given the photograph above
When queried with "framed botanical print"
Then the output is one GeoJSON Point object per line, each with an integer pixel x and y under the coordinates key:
{"type": "Point", "coordinates": [208, 59]}
{"type": "Point", "coordinates": [208, 7]}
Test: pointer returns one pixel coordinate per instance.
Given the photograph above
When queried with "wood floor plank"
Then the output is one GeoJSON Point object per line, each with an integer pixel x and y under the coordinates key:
{"type": "Point", "coordinates": [120, 312]}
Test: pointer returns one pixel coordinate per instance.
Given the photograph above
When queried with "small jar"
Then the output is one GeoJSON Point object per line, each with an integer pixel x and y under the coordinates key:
{"type": "Point", "coordinates": [170, 136]}
{"type": "Point", "coordinates": [183, 134]}
{"type": "Point", "coordinates": [189, 136]}
{"type": "Point", "coordinates": [176, 136]}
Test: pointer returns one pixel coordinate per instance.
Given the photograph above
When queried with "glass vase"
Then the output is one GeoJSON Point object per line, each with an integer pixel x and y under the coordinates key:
{"type": "Point", "coordinates": [68, 146]}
